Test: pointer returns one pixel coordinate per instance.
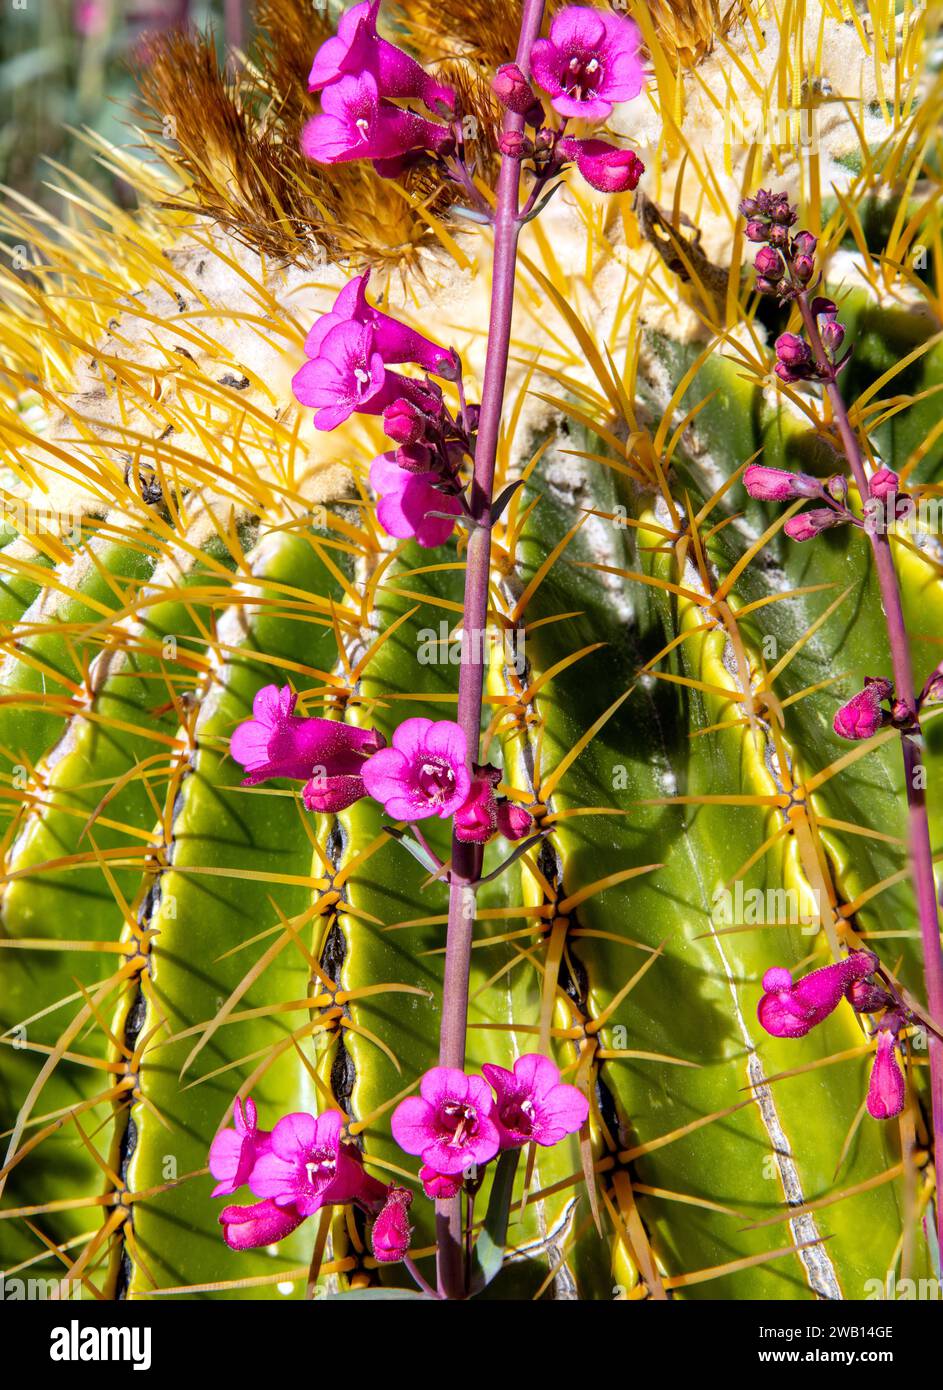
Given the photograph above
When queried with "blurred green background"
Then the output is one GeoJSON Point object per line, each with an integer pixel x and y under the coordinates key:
{"type": "Point", "coordinates": [67, 64]}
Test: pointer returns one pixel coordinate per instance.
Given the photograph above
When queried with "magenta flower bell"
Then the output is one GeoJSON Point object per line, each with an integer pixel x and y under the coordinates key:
{"type": "Point", "coordinates": [449, 1123]}
{"type": "Point", "coordinates": [589, 62]}
{"type": "Point", "coordinates": [357, 48]}
{"type": "Point", "coordinates": [356, 124]}
{"type": "Point", "coordinates": [423, 774]}
{"type": "Point", "coordinates": [406, 500]}
{"type": "Point", "coordinates": [326, 755]}
{"type": "Point", "coordinates": [394, 341]}
{"type": "Point", "coordinates": [349, 377]}
{"type": "Point", "coordinates": [533, 1105]}
{"type": "Point", "coordinates": [308, 1167]}
{"type": "Point", "coordinates": [790, 1010]}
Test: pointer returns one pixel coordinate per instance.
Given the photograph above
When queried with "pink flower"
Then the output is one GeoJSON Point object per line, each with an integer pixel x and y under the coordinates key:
{"type": "Point", "coordinates": [886, 1086]}
{"type": "Point", "coordinates": [356, 124]}
{"type": "Point", "coordinates": [533, 1105]}
{"type": "Point", "coordinates": [407, 498]}
{"type": "Point", "coordinates": [790, 1010]}
{"type": "Point", "coordinates": [349, 376]}
{"type": "Point", "coordinates": [883, 483]}
{"type": "Point", "coordinates": [423, 774]}
{"type": "Point", "coordinates": [776, 485]}
{"type": "Point", "coordinates": [394, 341]}
{"type": "Point", "coordinates": [862, 716]}
{"type": "Point", "coordinates": [357, 48]}
{"type": "Point", "coordinates": [262, 1223]}
{"type": "Point", "coordinates": [602, 165]}
{"type": "Point", "coordinates": [439, 1185]}
{"type": "Point", "coordinates": [308, 1167]}
{"type": "Point", "coordinates": [590, 61]}
{"type": "Point", "coordinates": [450, 1122]}
{"type": "Point", "coordinates": [234, 1151]}
{"type": "Point", "coordinates": [807, 525]}
{"type": "Point", "coordinates": [389, 1238]}
{"type": "Point", "coordinates": [325, 754]}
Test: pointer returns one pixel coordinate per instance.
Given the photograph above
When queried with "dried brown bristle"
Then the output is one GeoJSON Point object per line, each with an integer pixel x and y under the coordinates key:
{"type": "Point", "coordinates": [234, 143]}
{"type": "Point", "coordinates": [688, 29]}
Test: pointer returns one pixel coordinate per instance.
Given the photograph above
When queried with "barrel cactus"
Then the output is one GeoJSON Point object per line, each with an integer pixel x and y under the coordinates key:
{"type": "Point", "coordinates": [662, 672]}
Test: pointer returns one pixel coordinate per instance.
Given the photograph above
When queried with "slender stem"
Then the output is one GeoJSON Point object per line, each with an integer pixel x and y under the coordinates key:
{"type": "Point", "coordinates": [914, 779]}
{"type": "Point", "coordinates": [466, 858]}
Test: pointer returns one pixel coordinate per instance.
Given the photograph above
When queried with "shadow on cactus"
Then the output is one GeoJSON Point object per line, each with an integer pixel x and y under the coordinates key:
{"type": "Point", "coordinates": [471, 667]}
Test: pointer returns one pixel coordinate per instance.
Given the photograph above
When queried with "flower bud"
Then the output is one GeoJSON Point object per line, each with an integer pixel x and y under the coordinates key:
{"type": "Point", "coordinates": [769, 263]}
{"type": "Point", "coordinates": [749, 207]}
{"type": "Point", "coordinates": [793, 350]}
{"type": "Point", "coordinates": [515, 145]}
{"type": "Point", "coordinates": [391, 1230]}
{"type": "Point", "coordinates": [807, 525]}
{"type": "Point", "coordinates": [778, 237]}
{"type": "Point", "coordinates": [832, 335]}
{"type": "Point", "coordinates": [862, 716]}
{"type": "Point", "coordinates": [512, 89]}
{"type": "Point", "coordinates": [803, 267]}
{"type": "Point", "coordinates": [404, 422]}
{"type": "Point", "coordinates": [884, 482]}
{"type": "Point", "coordinates": [781, 211]}
{"type": "Point", "coordinates": [415, 458]}
{"type": "Point", "coordinates": [757, 230]}
{"type": "Point", "coordinates": [886, 1090]}
{"type": "Point", "coordinates": [804, 244]}
{"type": "Point", "coordinates": [764, 286]}
{"type": "Point", "coordinates": [776, 485]}
{"type": "Point", "coordinates": [837, 487]}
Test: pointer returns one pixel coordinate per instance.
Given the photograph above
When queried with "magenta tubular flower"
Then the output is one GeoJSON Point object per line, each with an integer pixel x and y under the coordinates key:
{"type": "Point", "coordinates": [394, 341]}
{"type": "Point", "coordinates": [449, 1124]}
{"type": "Point", "coordinates": [589, 62]}
{"type": "Point", "coordinates": [602, 165]}
{"type": "Point", "coordinates": [325, 754]}
{"type": "Point", "coordinates": [533, 1105]}
{"type": "Point", "coordinates": [357, 48]}
{"type": "Point", "coordinates": [308, 1167]}
{"type": "Point", "coordinates": [407, 498]}
{"type": "Point", "coordinates": [389, 1239]}
{"type": "Point", "coordinates": [261, 1223]}
{"type": "Point", "coordinates": [807, 525]}
{"type": "Point", "coordinates": [356, 124]}
{"type": "Point", "coordinates": [776, 485]}
{"type": "Point", "coordinates": [790, 1010]}
{"type": "Point", "coordinates": [513, 821]}
{"type": "Point", "coordinates": [862, 716]}
{"type": "Point", "coordinates": [439, 1186]}
{"type": "Point", "coordinates": [423, 774]}
{"type": "Point", "coordinates": [886, 1087]}
{"type": "Point", "coordinates": [234, 1151]}
{"type": "Point", "coordinates": [349, 376]}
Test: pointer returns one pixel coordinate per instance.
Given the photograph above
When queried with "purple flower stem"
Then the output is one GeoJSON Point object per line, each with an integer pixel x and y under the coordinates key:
{"type": "Point", "coordinates": [919, 827]}
{"type": "Point", "coordinates": [466, 858]}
